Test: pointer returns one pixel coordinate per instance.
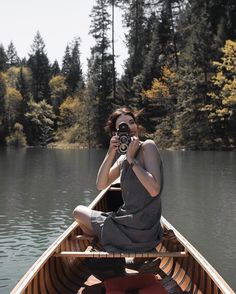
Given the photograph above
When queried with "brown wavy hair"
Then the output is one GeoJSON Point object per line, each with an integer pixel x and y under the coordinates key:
{"type": "Point", "coordinates": [111, 123]}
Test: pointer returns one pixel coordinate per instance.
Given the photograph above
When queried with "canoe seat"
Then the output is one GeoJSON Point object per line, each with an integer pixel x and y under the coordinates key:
{"type": "Point", "coordinates": [92, 252]}
{"type": "Point", "coordinates": [104, 254]}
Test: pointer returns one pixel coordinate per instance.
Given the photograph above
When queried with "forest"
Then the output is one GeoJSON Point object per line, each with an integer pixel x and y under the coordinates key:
{"type": "Point", "coordinates": [180, 74]}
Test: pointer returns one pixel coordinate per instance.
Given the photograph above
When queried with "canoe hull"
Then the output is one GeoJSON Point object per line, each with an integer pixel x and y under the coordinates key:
{"type": "Point", "coordinates": [68, 274]}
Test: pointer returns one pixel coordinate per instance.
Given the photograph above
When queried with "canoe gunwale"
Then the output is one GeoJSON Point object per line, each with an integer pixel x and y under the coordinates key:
{"type": "Point", "coordinates": [209, 269]}
{"type": "Point", "coordinates": [52, 249]}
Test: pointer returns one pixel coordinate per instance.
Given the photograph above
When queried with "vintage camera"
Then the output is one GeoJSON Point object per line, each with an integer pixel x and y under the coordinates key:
{"type": "Point", "coordinates": [124, 137]}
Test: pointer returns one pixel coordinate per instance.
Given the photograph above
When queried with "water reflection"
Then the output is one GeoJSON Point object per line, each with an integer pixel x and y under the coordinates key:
{"type": "Point", "coordinates": [39, 189]}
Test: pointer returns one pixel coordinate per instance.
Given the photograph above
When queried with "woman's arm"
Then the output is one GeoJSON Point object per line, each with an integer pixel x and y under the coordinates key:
{"type": "Point", "coordinates": [150, 174]}
{"type": "Point", "coordinates": [107, 172]}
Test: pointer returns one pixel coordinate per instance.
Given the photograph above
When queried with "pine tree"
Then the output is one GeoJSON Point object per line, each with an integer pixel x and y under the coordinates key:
{"type": "Point", "coordinates": [23, 84]}
{"type": "Point", "coordinates": [66, 61]}
{"type": "Point", "coordinates": [135, 20]}
{"type": "Point", "coordinates": [12, 57]}
{"type": "Point", "coordinates": [100, 63]}
{"type": "Point", "coordinates": [3, 59]}
{"type": "Point", "coordinates": [2, 110]}
{"type": "Point", "coordinates": [153, 60]}
{"type": "Point", "coordinates": [192, 127]}
{"type": "Point", "coordinates": [39, 64]}
{"type": "Point", "coordinates": [113, 3]}
{"type": "Point", "coordinates": [75, 77]}
{"type": "Point", "coordinates": [55, 69]}
{"type": "Point", "coordinates": [72, 69]}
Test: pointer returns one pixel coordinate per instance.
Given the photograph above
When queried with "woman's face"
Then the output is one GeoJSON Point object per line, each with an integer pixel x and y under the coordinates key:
{"type": "Point", "coordinates": [130, 122]}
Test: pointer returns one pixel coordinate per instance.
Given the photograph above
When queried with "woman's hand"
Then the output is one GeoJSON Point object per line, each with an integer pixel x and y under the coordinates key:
{"type": "Point", "coordinates": [132, 149]}
{"type": "Point", "coordinates": [114, 143]}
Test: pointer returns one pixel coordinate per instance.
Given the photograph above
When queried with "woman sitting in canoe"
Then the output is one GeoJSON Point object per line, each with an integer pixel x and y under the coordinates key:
{"type": "Point", "coordinates": [135, 227]}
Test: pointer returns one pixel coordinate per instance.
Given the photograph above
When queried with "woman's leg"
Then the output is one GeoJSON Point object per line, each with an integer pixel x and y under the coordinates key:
{"type": "Point", "coordinates": [82, 215]}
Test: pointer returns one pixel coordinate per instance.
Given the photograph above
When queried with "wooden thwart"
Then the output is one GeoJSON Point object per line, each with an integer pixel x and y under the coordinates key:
{"type": "Point", "coordinates": [102, 254]}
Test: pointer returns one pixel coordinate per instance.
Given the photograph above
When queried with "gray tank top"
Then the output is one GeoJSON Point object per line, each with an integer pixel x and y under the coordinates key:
{"type": "Point", "coordinates": [136, 225]}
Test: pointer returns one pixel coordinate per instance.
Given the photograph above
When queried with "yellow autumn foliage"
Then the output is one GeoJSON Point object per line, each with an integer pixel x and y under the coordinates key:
{"type": "Point", "coordinates": [160, 87]}
{"type": "Point", "coordinates": [69, 111]}
{"type": "Point", "coordinates": [58, 87]}
{"type": "Point", "coordinates": [225, 82]}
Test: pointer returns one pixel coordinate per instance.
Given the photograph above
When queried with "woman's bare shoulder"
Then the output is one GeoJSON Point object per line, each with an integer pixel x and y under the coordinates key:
{"type": "Point", "coordinates": [150, 149]}
{"type": "Point", "coordinates": [149, 144]}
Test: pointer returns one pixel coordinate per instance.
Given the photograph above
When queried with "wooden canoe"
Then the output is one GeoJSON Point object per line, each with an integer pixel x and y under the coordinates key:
{"type": "Point", "coordinates": [61, 268]}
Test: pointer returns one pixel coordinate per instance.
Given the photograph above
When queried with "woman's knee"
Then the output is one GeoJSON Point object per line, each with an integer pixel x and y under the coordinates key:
{"type": "Point", "coordinates": [81, 213]}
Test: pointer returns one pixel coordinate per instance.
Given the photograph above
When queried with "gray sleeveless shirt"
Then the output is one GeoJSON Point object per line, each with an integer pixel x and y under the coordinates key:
{"type": "Point", "coordinates": [135, 227]}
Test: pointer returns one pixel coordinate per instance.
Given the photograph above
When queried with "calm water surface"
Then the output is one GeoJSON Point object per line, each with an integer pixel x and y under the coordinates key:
{"type": "Point", "coordinates": [39, 189]}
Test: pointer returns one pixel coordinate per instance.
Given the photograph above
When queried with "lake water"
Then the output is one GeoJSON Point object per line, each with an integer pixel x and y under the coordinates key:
{"type": "Point", "coordinates": [40, 187]}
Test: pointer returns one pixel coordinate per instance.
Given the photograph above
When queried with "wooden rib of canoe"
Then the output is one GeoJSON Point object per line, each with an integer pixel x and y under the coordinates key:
{"type": "Point", "coordinates": [61, 268]}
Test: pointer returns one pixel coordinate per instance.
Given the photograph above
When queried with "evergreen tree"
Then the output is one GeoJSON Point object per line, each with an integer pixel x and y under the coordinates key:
{"type": "Point", "coordinates": [75, 77]}
{"type": "Point", "coordinates": [3, 59]}
{"type": "Point", "coordinates": [23, 62]}
{"type": "Point", "coordinates": [100, 63]}
{"type": "Point", "coordinates": [55, 69]}
{"type": "Point", "coordinates": [72, 69]}
{"type": "Point", "coordinates": [192, 127]}
{"type": "Point", "coordinates": [40, 123]}
{"type": "Point", "coordinates": [154, 59]}
{"type": "Point", "coordinates": [39, 64]}
{"type": "Point", "coordinates": [23, 84]}
{"type": "Point", "coordinates": [2, 109]}
{"type": "Point", "coordinates": [170, 11]}
{"type": "Point", "coordinates": [135, 20]}
{"type": "Point", "coordinates": [222, 105]}
{"type": "Point", "coordinates": [89, 115]}
{"type": "Point", "coordinates": [140, 22]}
{"type": "Point", "coordinates": [12, 57]}
{"type": "Point", "coordinates": [223, 22]}
{"type": "Point", "coordinates": [66, 61]}
{"type": "Point", "coordinates": [113, 3]}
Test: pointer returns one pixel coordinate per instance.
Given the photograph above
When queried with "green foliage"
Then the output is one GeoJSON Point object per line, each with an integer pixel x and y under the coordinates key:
{"type": "Point", "coordinates": [69, 112]}
{"type": "Point", "coordinates": [58, 90]}
{"type": "Point", "coordinates": [24, 80]}
{"type": "Point", "coordinates": [160, 104]}
{"type": "Point", "coordinates": [17, 137]}
{"type": "Point", "coordinates": [222, 107]}
{"type": "Point", "coordinates": [3, 58]}
{"type": "Point", "coordinates": [13, 101]}
{"type": "Point", "coordinates": [39, 64]}
{"type": "Point", "coordinates": [72, 69]}
{"type": "Point", "coordinates": [188, 100]}
{"type": "Point", "coordinates": [40, 122]}
{"type": "Point", "coordinates": [2, 109]}
{"type": "Point", "coordinates": [11, 76]}
{"type": "Point", "coordinates": [77, 120]}
{"type": "Point", "coordinates": [100, 67]}
{"type": "Point", "coordinates": [12, 57]}
{"type": "Point", "coordinates": [191, 125]}
{"type": "Point", "coordinates": [55, 69]}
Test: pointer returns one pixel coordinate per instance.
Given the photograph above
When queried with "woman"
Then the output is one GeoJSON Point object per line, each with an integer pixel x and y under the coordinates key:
{"type": "Point", "coordinates": [135, 227]}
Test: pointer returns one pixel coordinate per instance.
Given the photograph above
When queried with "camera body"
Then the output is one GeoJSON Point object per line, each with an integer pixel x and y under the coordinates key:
{"type": "Point", "coordinates": [124, 137]}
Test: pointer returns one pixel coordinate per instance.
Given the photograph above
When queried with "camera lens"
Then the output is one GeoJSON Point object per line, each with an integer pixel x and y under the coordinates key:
{"type": "Point", "coordinates": [123, 148]}
{"type": "Point", "coordinates": [124, 139]}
